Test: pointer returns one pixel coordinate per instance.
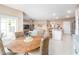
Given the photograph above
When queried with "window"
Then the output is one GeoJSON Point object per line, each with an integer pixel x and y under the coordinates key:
{"type": "Point", "coordinates": [8, 24]}
{"type": "Point", "coordinates": [8, 27]}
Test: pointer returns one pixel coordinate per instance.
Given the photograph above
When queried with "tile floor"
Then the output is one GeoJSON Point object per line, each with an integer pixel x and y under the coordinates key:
{"type": "Point", "coordinates": [62, 47]}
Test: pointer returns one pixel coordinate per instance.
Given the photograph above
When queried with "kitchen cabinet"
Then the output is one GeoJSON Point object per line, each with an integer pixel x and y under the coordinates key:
{"type": "Point", "coordinates": [57, 34]}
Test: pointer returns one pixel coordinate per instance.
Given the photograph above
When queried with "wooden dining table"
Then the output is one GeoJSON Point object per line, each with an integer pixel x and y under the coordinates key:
{"type": "Point", "coordinates": [18, 46]}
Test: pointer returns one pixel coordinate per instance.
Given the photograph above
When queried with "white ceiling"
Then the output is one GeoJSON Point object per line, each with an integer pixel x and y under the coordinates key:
{"type": "Point", "coordinates": [46, 11]}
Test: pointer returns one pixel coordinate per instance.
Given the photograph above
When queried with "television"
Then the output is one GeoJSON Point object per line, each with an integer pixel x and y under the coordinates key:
{"type": "Point", "coordinates": [26, 26]}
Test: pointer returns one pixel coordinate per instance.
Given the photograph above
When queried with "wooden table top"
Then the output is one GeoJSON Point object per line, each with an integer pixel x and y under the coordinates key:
{"type": "Point", "coordinates": [21, 46]}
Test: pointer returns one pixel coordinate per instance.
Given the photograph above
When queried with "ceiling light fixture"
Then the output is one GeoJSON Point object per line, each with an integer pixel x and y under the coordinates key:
{"type": "Point", "coordinates": [68, 11]}
{"type": "Point", "coordinates": [57, 17]}
{"type": "Point", "coordinates": [67, 16]}
{"type": "Point", "coordinates": [54, 14]}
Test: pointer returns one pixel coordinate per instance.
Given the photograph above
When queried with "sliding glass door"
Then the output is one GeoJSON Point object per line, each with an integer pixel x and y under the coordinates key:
{"type": "Point", "coordinates": [7, 27]}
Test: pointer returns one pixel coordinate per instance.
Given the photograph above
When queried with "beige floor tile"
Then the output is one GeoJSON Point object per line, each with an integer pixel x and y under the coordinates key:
{"type": "Point", "coordinates": [62, 47]}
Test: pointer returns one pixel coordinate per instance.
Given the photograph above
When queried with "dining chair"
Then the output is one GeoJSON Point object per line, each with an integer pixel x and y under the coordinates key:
{"type": "Point", "coordinates": [4, 49]}
{"type": "Point", "coordinates": [19, 34]}
{"type": "Point", "coordinates": [43, 50]}
{"type": "Point", "coordinates": [1, 46]}
{"type": "Point", "coordinates": [44, 46]}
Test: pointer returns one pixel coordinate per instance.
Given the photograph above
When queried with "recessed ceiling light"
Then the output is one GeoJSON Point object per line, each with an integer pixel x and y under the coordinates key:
{"type": "Point", "coordinates": [54, 14]}
{"type": "Point", "coordinates": [68, 11]}
{"type": "Point", "coordinates": [57, 17]}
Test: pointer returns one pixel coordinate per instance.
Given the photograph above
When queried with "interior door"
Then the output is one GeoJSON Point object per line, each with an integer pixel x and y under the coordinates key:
{"type": "Point", "coordinates": [67, 27]}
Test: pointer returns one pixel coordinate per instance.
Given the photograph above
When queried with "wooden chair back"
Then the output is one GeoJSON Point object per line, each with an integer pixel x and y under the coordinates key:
{"type": "Point", "coordinates": [19, 34]}
{"type": "Point", "coordinates": [44, 45]}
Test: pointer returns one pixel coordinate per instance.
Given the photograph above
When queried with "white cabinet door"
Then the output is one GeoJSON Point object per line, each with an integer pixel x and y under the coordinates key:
{"type": "Point", "coordinates": [57, 34]}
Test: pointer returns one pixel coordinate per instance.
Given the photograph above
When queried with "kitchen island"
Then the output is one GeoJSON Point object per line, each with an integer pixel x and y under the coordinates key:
{"type": "Point", "coordinates": [57, 34]}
